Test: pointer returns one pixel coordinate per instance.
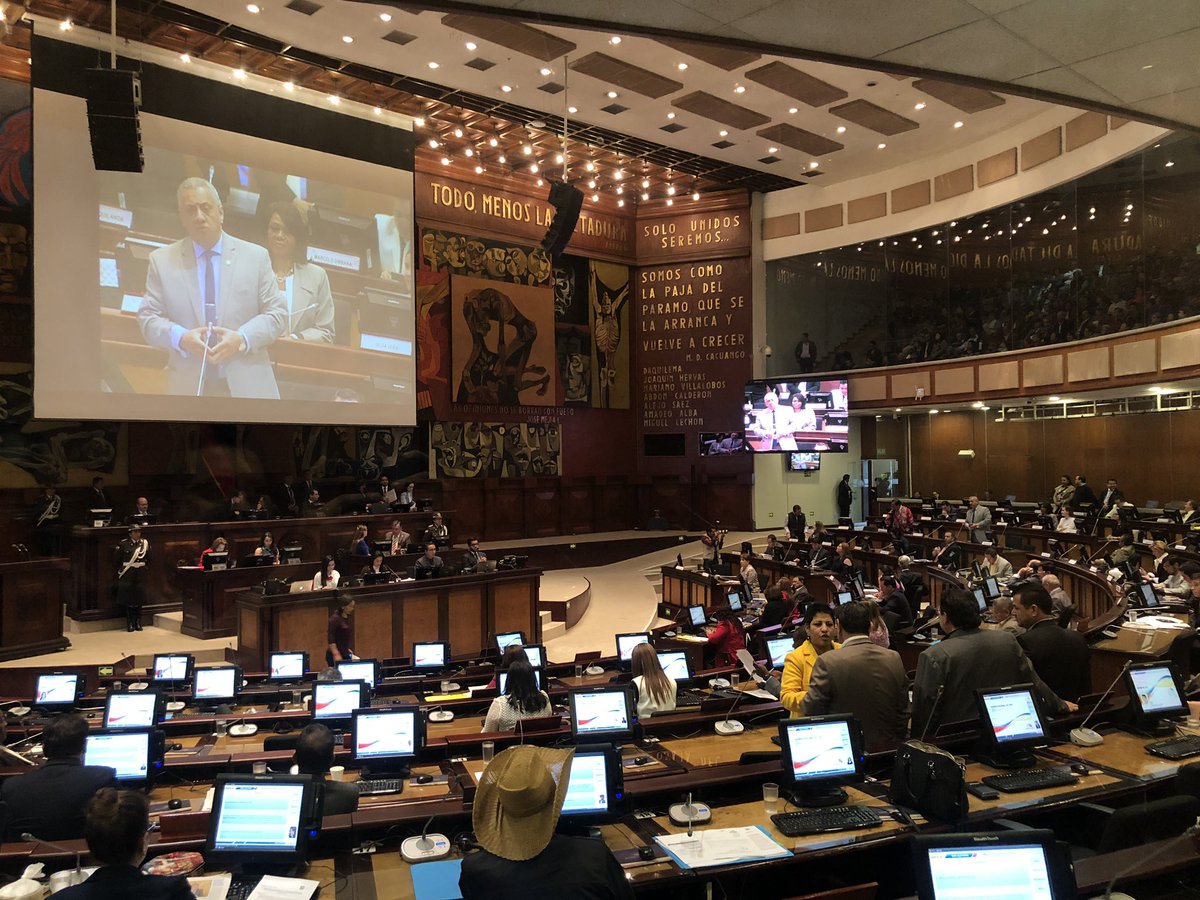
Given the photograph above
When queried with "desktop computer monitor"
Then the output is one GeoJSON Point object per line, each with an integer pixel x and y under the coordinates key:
{"type": "Point", "coordinates": [595, 785]}
{"type": "Point", "coordinates": [980, 598]}
{"type": "Point", "coordinates": [820, 754]}
{"type": "Point", "coordinates": [675, 664]}
{"type": "Point", "coordinates": [216, 686]}
{"type": "Point", "coordinates": [216, 561]}
{"type": "Point", "coordinates": [991, 587]}
{"type": "Point", "coordinates": [510, 637]}
{"type": "Point", "coordinates": [858, 582]}
{"type": "Point", "coordinates": [626, 643]}
{"type": "Point", "coordinates": [1156, 693]}
{"type": "Point", "coordinates": [58, 691]}
{"type": "Point", "coordinates": [536, 654]}
{"type": "Point", "coordinates": [977, 570]}
{"type": "Point", "coordinates": [856, 592]}
{"type": "Point", "coordinates": [778, 649]}
{"type": "Point", "coordinates": [338, 699]}
{"type": "Point", "coordinates": [386, 740]}
{"type": "Point", "coordinates": [431, 655]}
{"type": "Point", "coordinates": [1012, 724]}
{"type": "Point", "coordinates": [261, 823]}
{"type": "Point", "coordinates": [172, 667]}
{"type": "Point", "coordinates": [502, 681]}
{"type": "Point", "coordinates": [360, 670]}
{"type": "Point", "coordinates": [133, 709]}
{"type": "Point", "coordinates": [604, 713]}
{"type": "Point", "coordinates": [135, 754]}
{"type": "Point", "coordinates": [1144, 596]}
{"type": "Point", "coordinates": [734, 596]}
{"type": "Point", "coordinates": [288, 665]}
{"type": "Point", "coordinates": [844, 597]}
{"type": "Point", "coordinates": [1028, 864]}
{"type": "Point", "coordinates": [697, 616]}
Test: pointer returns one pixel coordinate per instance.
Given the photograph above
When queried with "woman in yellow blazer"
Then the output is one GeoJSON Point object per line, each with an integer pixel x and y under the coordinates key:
{"type": "Point", "coordinates": [797, 668]}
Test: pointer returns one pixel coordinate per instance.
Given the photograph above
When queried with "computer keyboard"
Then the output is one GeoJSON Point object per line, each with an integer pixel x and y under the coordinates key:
{"type": "Point", "coordinates": [687, 698]}
{"type": "Point", "coordinates": [371, 786]}
{"type": "Point", "coordinates": [1030, 779]}
{"type": "Point", "coordinates": [1176, 747]}
{"type": "Point", "coordinates": [821, 821]}
{"type": "Point", "coordinates": [241, 888]}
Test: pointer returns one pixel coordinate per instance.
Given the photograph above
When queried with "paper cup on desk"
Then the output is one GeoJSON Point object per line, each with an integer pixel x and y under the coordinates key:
{"type": "Point", "coordinates": [770, 796]}
{"type": "Point", "coordinates": [337, 773]}
{"type": "Point", "coordinates": [1193, 718]}
{"type": "Point", "coordinates": [260, 768]}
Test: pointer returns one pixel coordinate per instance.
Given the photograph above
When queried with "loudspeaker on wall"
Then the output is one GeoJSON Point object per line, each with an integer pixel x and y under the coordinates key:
{"type": "Point", "coordinates": [567, 201]}
{"type": "Point", "coordinates": [114, 97]}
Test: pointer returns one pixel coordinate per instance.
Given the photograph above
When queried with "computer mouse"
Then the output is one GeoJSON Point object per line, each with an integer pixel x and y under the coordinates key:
{"type": "Point", "coordinates": [1080, 768]}
{"type": "Point", "coordinates": [177, 803]}
{"type": "Point", "coordinates": [173, 747]}
{"type": "Point", "coordinates": [646, 852]}
{"type": "Point", "coordinates": [641, 760]}
{"type": "Point", "coordinates": [423, 779]}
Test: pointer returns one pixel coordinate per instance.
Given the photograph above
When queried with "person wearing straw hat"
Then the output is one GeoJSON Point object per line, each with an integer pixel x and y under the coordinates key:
{"type": "Point", "coordinates": [516, 810]}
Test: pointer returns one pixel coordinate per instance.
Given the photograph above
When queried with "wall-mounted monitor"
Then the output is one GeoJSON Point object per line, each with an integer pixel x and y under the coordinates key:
{"type": "Point", "coordinates": [723, 443]}
{"type": "Point", "coordinates": [803, 462]}
{"type": "Point", "coordinates": [796, 416]}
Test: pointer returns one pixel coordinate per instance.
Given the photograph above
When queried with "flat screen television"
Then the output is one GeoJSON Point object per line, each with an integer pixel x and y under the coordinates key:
{"type": "Point", "coordinates": [803, 462]}
{"type": "Point", "coordinates": [796, 416]}
{"type": "Point", "coordinates": [723, 443]}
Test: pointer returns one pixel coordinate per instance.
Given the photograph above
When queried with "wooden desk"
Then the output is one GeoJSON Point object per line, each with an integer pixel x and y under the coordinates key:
{"type": "Point", "coordinates": [171, 545]}
{"type": "Point", "coordinates": [465, 610]}
{"type": "Point", "coordinates": [1125, 754]}
{"type": "Point", "coordinates": [31, 598]}
{"type": "Point", "coordinates": [684, 588]}
{"type": "Point", "coordinates": [711, 749]}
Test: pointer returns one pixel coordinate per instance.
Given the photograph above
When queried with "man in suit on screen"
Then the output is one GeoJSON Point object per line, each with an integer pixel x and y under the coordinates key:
{"type": "Point", "coordinates": [212, 288]}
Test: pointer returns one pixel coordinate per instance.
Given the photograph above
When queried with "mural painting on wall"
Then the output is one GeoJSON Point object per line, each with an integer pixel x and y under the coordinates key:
{"type": "Point", "coordinates": [573, 334]}
{"type": "Point", "coordinates": [398, 453]}
{"type": "Point", "coordinates": [608, 289]}
{"type": "Point", "coordinates": [16, 180]}
{"type": "Point", "coordinates": [494, 450]}
{"type": "Point", "coordinates": [502, 343]}
{"type": "Point", "coordinates": [60, 453]}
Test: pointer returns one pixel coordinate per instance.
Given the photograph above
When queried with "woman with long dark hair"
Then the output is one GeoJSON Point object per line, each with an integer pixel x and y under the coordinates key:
{"type": "Point", "coordinates": [267, 550]}
{"type": "Point", "coordinates": [727, 638]}
{"type": "Point", "coordinates": [521, 700]}
{"type": "Point", "coordinates": [328, 577]}
{"type": "Point", "coordinates": [304, 285]}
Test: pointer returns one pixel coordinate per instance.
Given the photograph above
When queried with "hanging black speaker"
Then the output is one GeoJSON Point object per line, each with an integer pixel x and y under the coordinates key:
{"type": "Point", "coordinates": [114, 97]}
{"type": "Point", "coordinates": [567, 201]}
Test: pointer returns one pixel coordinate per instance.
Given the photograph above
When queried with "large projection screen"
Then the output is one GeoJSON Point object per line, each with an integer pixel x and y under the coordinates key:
{"type": "Point", "coordinates": [135, 321]}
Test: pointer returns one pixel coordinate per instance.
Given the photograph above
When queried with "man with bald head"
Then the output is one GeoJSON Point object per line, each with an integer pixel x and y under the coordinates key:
{"type": "Point", "coordinates": [212, 289]}
{"type": "Point", "coordinates": [1063, 605]}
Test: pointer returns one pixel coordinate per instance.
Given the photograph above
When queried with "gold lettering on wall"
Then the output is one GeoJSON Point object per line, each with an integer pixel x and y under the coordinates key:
{"type": "Point", "coordinates": [510, 209]}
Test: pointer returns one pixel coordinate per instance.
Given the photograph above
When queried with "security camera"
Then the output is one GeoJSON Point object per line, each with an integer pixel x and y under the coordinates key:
{"type": "Point", "coordinates": [767, 351]}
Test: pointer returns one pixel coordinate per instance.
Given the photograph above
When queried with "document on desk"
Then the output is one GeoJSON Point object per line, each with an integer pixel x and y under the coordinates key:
{"type": "Point", "coordinates": [210, 887]}
{"type": "Point", "coordinates": [273, 887]}
{"type": "Point", "coordinates": [722, 847]}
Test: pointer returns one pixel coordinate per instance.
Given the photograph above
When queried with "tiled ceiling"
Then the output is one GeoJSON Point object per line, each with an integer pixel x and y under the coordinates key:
{"type": "Point", "coordinates": [1135, 55]}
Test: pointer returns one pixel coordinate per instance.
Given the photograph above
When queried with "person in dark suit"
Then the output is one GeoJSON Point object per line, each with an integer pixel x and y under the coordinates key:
{"type": "Point", "coordinates": [1083, 492]}
{"type": "Point", "coordinates": [862, 679]}
{"type": "Point", "coordinates": [946, 556]}
{"type": "Point", "coordinates": [776, 608]}
{"type": "Point", "coordinates": [844, 497]}
{"type": "Point", "coordinates": [1059, 655]}
{"type": "Point", "coordinates": [313, 756]}
{"type": "Point", "coordinates": [796, 522]}
{"type": "Point", "coordinates": [97, 498]}
{"type": "Point", "coordinates": [892, 599]}
{"type": "Point", "coordinates": [49, 802]}
{"type": "Point", "coordinates": [288, 497]}
{"type": "Point", "coordinates": [1113, 498]}
{"type": "Point", "coordinates": [116, 829]}
{"type": "Point", "coordinates": [474, 556]}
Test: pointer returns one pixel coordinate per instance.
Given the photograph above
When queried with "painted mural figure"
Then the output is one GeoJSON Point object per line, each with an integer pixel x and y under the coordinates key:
{"type": "Point", "coordinates": [498, 375]}
{"type": "Point", "coordinates": [606, 307]}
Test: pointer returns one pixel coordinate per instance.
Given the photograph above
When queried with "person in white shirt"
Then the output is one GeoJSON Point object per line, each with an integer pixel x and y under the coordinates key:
{"type": "Point", "coordinates": [773, 421]}
{"type": "Point", "coordinates": [1066, 521]}
{"type": "Point", "coordinates": [748, 572]}
{"type": "Point", "coordinates": [521, 700]}
{"type": "Point", "coordinates": [656, 690]}
{"type": "Point", "coordinates": [328, 577]}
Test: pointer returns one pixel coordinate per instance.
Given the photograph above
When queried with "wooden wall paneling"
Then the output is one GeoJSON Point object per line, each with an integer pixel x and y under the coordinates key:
{"type": "Point", "coordinates": [543, 501]}
{"type": "Point", "coordinates": [614, 503]}
{"type": "Point", "coordinates": [672, 495]}
{"type": "Point", "coordinates": [1139, 456]}
{"type": "Point", "coordinates": [466, 497]}
{"type": "Point", "coordinates": [304, 628]}
{"type": "Point", "coordinates": [373, 628]}
{"type": "Point", "coordinates": [1014, 459]}
{"type": "Point", "coordinates": [728, 501]}
{"type": "Point", "coordinates": [504, 509]}
{"type": "Point", "coordinates": [466, 622]}
{"type": "Point", "coordinates": [921, 478]}
{"type": "Point", "coordinates": [578, 510]}
{"type": "Point", "coordinates": [510, 609]}
{"type": "Point", "coordinates": [1185, 437]}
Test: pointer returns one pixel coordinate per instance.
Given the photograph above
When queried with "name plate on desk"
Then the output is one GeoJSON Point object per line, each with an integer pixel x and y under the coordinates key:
{"type": "Point", "coordinates": [1036, 527]}
{"type": "Point", "coordinates": [219, 567]}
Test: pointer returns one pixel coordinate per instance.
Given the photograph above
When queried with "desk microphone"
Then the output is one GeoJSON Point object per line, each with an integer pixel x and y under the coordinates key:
{"type": "Point", "coordinates": [77, 875]}
{"type": "Point", "coordinates": [729, 726]}
{"type": "Point", "coordinates": [1086, 737]}
{"type": "Point", "coordinates": [688, 813]}
{"type": "Point", "coordinates": [936, 700]}
{"type": "Point", "coordinates": [426, 847]}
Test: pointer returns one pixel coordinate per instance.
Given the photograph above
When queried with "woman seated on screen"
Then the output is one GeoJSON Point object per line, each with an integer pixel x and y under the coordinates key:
{"type": "Point", "coordinates": [304, 285]}
{"type": "Point", "coordinates": [328, 577]}
{"type": "Point", "coordinates": [266, 549]}
{"type": "Point", "coordinates": [521, 700]}
{"type": "Point", "coordinates": [358, 544]}
{"type": "Point", "coordinates": [116, 828]}
{"type": "Point", "coordinates": [656, 689]}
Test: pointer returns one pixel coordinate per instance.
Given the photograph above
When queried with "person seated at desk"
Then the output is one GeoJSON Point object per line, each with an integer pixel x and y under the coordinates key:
{"type": "Point", "coordinates": [337, 633]}
{"type": "Point", "coordinates": [429, 563]}
{"type": "Point", "coordinates": [1066, 521]}
{"type": "Point", "coordinates": [141, 511]}
{"type": "Point", "coordinates": [473, 557]}
{"type": "Point", "coordinates": [819, 535]}
{"type": "Point", "coordinates": [803, 418]}
{"type": "Point", "coordinates": [512, 653]}
{"type": "Point", "coordinates": [1193, 598]}
{"type": "Point", "coordinates": [399, 538]}
{"type": "Point", "coordinates": [1126, 552]}
{"type": "Point", "coordinates": [408, 496]}
{"type": "Point", "coordinates": [843, 566]}
{"type": "Point", "coordinates": [358, 543]}
{"type": "Point", "coordinates": [774, 550]}
{"type": "Point", "coordinates": [966, 660]}
{"type": "Point", "coordinates": [262, 507]}
{"type": "Point", "coordinates": [521, 700]}
{"type": "Point", "coordinates": [387, 493]}
{"type": "Point", "coordinates": [1059, 656]}
{"type": "Point", "coordinates": [727, 638]}
{"type": "Point", "coordinates": [219, 545]}
{"type": "Point", "coordinates": [377, 567]}
{"type": "Point", "coordinates": [1064, 606]}
{"type": "Point", "coordinates": [516, 808]}
{"type": "Point", "coordinates": [49, 801]}
{"type": "Point", "coordinates": [776, 608]}
{"type": "Point", "coordinates": [267, 550]}
{"type": "Point", "coordinates": [995, 564]}
{"type": "Point", "coordinates": [1177, 584]}
{"type": "Point", "coordinates": [117, 829]}
{"type": "Point", "coordinates": [238, 506]}
{"type": "Point", "coordinates": [313, 756]}
{"type": "Point", "coordinates": [748, 572]}
{"type": "Point", "coordinates": [328, 576]}
{"type": "Point", "coordinates": [945, 511]}
{"type": "Point", "coordinates": [437, 532]}
{"type": "Point", "coordinates": [1002, 616]}
{"type": "Point", "coordinates": [892, 601]}
{"type": "Point", "coordinates": [797, 668]}
{"type": "Point", "coordinates": [945, 556]}
{"type": "Point", "coordinates": [861, 679]}
{"type": "Point", "coordinates": [1188, 516]}
{"type": "Point", "coordinates": [655, 690]}
{"type": "Point", "coordinates": [313, 507]}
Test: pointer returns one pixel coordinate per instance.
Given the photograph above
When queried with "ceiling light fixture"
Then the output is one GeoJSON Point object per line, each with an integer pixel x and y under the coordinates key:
{"type": "Point", "coordinates": [615, 39]}
{"type": "Point", "coordinates": [502, 159]}
{"type": "Point", "coordinates": [671, 191]}
{"type": "Point", "coordinates": [958, 124]}
{"type": "Point", "coordinates": [506, 88]}
{"type": "Point", "coordinates": [468, 152]}
{"type": "Point", "coordinates": [792, 110]}
{"type": "Point", "coordinates": [772, 149]}
{"type": "Point", "coordinates": [620, 203]}
{"type": "Point", "coordinates": [572, 109]}
{"type": "Point", "coordinates": [558, 159]}
{"type": "Point", "coordinates": [695, 195]}
{"type": "Point", "coordinates": [184, 58]}
{"type": "Point", "coordinates": [527, 150]}
{"type": "Point", "coordinates": [670, 202]}
{"type": "Point", "coordinates": [813, 164]}
{"type": "Point", "coordinates": [612, 95]}
{"type": "Point", "coordinates": [841, 129]}
{"type": "Point", "coordinates": [239, 74]}
{"type": "Point", "coordinates": [739, 89]}
{"type": "Point", "coordinates": [433, 65]}
{"type": "Point", "coordinates": [645, 182]}
{"type": "Point", "coordinates": [334, 99]}
{"type": "Point", "coordinates": [492, 142]}
{"type": "Point", "coordinates": [418, 122]}
{"type": "Point", "coordinates": [682, 67]}
{"type": "Point", "coordinates": [882, 146]}
{"type": "Point", "coordinates": [591, 166]}
{"type": "Point", "coordinates": [479, 170]}
{"type": "Point", "coordinates": [595, 198]}
{"type": "Point", "coordinates": [433, 145]}
{"type": "Point", "coordinates": [920, 106]}
{"type": "Point", "coordinates": [253, 8]}
{"type": "Point", "coordinates": [546, 70]}
{"type": "Point", "coordinates": [385, 17]}
{"type": "Point", "coordinates": [592, 184]}
{"type": "Point", "coordinates": [458, 132]}
{"type": "Point", "coordinates": [379, 110]}
{"type": "Point", "coordinates": [347, 39]}
{"type": "Point", "coordinates": [646, 196]}
{"type": "Point", "coordinates": [1168, 164]}
{"type": "Point", "coordinates": [445, 160]}
{"type": "Point", "coordinates": [723, 133]}
{"type": "Point", "coordinates": [472, 46]}
{"type": "Point", "coordinates": [533, 167]}
{"type": "Point", "coordinates": [289, 86]}
{"type": "Point", "coordinates": [670, 115]}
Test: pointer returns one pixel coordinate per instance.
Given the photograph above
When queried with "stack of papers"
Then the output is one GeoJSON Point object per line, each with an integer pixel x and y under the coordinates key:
{"type": "Point", "coordinates": [722, 847]}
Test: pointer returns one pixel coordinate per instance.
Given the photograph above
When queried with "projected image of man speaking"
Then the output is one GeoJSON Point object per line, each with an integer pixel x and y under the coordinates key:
{"type": "Point", "coordinates": [212, 290]}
